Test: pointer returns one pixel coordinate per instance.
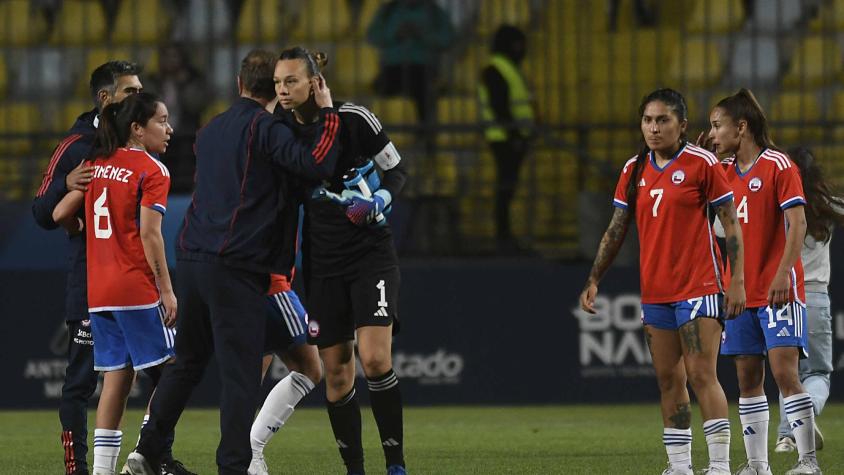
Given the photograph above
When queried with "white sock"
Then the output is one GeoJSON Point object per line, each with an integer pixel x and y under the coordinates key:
{"type": "Point", "coordinates": [754, 416]}
{"type": "Point", "coordinates": [106, 450]}
{"type": "Point", "coordinates": [801, 417]}
{"type": "Point", "coordinates": [277, 408]}
{"type": "Point", "coordinates": [717, 433]}
{"type": "Point", "coordinates": [678, 445]}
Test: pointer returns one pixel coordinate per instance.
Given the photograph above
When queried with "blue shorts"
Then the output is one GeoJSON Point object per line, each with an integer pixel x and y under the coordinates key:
{"type": "Point", "coordinates": [759, 329]}
{"type": "Point", "coordinates": [136, 338]}
{"type": "Point", "coordinates": [287, 322]}
{"type": "Point", "coordinates": [672, 316]}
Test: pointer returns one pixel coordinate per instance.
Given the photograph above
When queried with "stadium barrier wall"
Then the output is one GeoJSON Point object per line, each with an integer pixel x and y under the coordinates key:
{"type": "Point", "coordinates": [489, 331]}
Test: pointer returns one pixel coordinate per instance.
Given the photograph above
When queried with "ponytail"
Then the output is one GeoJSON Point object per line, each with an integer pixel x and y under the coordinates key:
{"type": "Point", "coordinates": [116, 121]}
{"type": "Point", "coordinates": [744, 106]}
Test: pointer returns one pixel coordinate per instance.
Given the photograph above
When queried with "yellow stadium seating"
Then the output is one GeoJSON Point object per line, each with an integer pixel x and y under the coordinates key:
{"type": "Point", "coordinates": [696, 63]}
{"type": "Point", "coordinates": [18, 118]}
{"type": "Point", "coordinates": [830, 17]}
{"type": "Point", "coordinates": [392, 111]}
{"type": "Point", "coordinates": [11, 179]}
{"type": "Point", "coordinates": [815, 62]}
{"type": "Point", "coordinates": [70, 111]}
{"type": "Point", "coordinates": [466, 71]}
{"type": "Point", "coordinates": [79, 22]}
{"type": "Point", "coordinates": [831, 159]}
{"type": "Point", "coordinates": [260, 21]}
{"type": "Point", "coordinates": [367, 13]}
{"type": "Point", "coordinates": [313, 24]}
{"type": "Point", "coordinates": [18, 26]}
{"type": "Point", "coordinates": [459, 112]}
{"type": "Point", "coordinates": [795, 108]}
{"type": "Point", "coordinates": [352, 69]}
{"type": "Point", "coordinates": [716, 16]}
{"type": "Point", "coordinates": [492, 13]}
{"type": "Point", "coordinates": [215, 108]}
{"type": "Point", "coordinates": [440, 180]}
{"type": "Point", "coordinates": [140, 22]}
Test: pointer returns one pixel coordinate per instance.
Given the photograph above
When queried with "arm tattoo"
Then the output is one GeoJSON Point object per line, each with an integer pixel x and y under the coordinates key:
{"type": "Point", "coordinates": [610, 244]}
{"type": "Point", "coordinates": [682, 419]}
{"type": "Point", "coordinates": [690, 334]}
{"type": "Point", "coordinates": [727, 215]}
{"type": "Point", "coordinates": [157, 269]}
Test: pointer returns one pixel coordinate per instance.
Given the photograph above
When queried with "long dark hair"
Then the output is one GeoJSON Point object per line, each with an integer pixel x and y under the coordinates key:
{"type": "Point", "coordinates": [677, 103]}
{"type": "Point", "coordinates": [823, 206]}
{"type": "Point", "coordinates": [744, 106]}
{"type": "Point", "coordinates": [117, 118]}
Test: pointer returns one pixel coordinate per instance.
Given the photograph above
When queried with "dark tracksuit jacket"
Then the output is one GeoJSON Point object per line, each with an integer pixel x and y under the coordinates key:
{"type": "Point", "coordinates": [80, 377]}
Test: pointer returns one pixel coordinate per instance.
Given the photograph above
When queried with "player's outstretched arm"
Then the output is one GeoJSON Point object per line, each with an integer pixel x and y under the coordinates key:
{"type": "Point", "coordinates": [64, 214]}
{"type": "Point", "coordinates": [781, 285]}
{"type": "Point", "coordinates": [607, 250]}
{"type": "Point", "coordinates": [153, 243]}
{"type": "Point", "coordinates": [735, 299]}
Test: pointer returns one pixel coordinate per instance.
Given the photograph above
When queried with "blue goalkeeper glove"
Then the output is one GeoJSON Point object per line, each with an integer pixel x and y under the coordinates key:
{"type": "Point", "coordinates": [363, 210]}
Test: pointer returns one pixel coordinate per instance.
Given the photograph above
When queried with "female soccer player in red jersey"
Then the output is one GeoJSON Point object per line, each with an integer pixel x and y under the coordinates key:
{"type": "Point", "coordinates": [672, 187]}
{"type": "Point", "coordinates": [130, 295]}
{"type": "Point", "coordinates": [770, 210]}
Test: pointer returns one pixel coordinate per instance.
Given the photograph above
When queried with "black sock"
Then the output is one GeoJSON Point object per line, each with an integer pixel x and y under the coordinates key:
{"type": "Point", "coordinates": [385, 397]}
{"type": "Point", "coordinates": [154, 373]}
{"type": "Point", "coordinates": [345, 422]}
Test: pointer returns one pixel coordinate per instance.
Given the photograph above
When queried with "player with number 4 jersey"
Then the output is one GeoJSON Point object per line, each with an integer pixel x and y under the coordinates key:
{"type": "Point", "coordinates": [770, 211]}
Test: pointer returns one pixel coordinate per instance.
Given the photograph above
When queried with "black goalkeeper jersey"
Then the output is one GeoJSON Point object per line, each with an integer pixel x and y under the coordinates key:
{"type": "Point", "coordinates": [333, 245]}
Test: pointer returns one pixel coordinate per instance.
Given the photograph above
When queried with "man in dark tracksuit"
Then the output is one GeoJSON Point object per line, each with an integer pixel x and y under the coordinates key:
{"type": "Point", "coordinates": [230, 242]}
{"type": "Point", "coordinates": [111, 82]}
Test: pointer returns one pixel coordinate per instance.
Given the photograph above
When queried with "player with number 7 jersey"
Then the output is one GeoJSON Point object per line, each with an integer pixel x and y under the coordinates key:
{"type": "Point", "coordinates": [679, 258]}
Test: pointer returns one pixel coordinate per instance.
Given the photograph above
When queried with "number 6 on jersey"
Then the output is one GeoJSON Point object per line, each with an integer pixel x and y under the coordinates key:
{"type": "Point", "coordinates": [101, 211]}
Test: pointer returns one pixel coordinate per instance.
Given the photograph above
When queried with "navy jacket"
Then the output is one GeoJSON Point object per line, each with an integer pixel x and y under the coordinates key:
{"type": "Point", "coordinates": [234, 218]}
{"type": "Point", "coordinates": [71, 151]}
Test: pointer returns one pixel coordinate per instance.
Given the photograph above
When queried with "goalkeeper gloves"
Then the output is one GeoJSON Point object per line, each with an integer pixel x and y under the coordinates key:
{"type": "Point", "coordinates": [363, 210]}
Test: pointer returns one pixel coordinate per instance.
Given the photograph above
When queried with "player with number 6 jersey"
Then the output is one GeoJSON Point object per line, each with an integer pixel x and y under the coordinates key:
{"type": "Point", "coordinates": [770, 211]}
{"type": "Point", "coordinates": [131, 301]}
{"type": "Point", "coordinates": [671, 188]}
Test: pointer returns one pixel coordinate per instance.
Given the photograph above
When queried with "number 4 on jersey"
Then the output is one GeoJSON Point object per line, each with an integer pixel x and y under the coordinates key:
{"type": "Point", "coordinates": [100, 212]}
{"type": "Point", "coordinates": [741, 209]}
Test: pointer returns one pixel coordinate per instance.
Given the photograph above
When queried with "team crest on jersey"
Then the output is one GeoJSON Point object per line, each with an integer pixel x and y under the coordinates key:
{"type": "Point", "coordinates": [313, 328]}
{"type": "Point", "coordinates": [755, 184]}
{"type": "Point", "coordinates": [678, 177]}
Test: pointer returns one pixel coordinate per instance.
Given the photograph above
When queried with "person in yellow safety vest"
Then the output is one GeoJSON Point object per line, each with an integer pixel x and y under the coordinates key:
{"type": "Point", "coordinates": [508, 117]}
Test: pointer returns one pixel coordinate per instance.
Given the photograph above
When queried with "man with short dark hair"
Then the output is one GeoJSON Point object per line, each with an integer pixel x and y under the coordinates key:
{"type": "Point", "coordinates": [227, 248]}
{"type": "Point", "coordinates": [110, 82]}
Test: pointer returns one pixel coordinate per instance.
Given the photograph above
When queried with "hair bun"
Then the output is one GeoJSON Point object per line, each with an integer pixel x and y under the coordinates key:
{"type": "Point", "coordinates": [321, 59]}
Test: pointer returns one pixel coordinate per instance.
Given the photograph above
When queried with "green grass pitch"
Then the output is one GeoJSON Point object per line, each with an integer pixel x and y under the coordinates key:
{"type": "Point", "coordinates": [607, 439]}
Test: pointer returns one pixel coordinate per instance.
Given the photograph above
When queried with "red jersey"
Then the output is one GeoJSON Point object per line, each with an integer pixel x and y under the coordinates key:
{"type": "Point", "coordinates": [278, 284]}
{"type": "Point", "coordinates": [119, 277]}
{"type": "Point", "coordinates": [762, 193]}
{"type": "Point", "coordinates": [678, 256]}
